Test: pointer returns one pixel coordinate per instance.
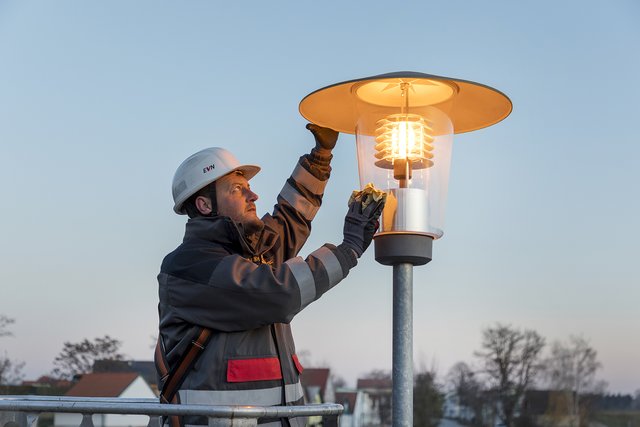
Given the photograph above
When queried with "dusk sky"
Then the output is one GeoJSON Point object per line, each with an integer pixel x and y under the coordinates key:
{"type": "Point", "coordinates": [101, 101]}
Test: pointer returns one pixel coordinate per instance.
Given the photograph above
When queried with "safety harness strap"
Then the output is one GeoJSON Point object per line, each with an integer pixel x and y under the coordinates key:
{"type": "Point", "coordinates": [172, 379]}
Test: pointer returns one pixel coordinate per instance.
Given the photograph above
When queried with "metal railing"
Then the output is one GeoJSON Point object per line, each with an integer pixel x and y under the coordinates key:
{"type": "Point", "coordinates": [23, 411]}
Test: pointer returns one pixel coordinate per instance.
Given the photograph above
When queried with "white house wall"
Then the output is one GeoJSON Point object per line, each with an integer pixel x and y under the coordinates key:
{"type": "Point", "coordinates": [346, 420]}
{"type": "Point", "coordinates": [329, 392]}
{"type": "Point", "coordinates": [137, 389]}
{"type": "Point", "coordinates": [366, 411]}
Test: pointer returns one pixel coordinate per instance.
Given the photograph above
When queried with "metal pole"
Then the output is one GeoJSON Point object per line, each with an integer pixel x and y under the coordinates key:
{"type": "Point", "coordinates": [402, 345]}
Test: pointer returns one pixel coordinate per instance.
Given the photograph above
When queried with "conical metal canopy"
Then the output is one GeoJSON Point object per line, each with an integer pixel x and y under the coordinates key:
{"type": "Point", "coordinates": [470, 106]}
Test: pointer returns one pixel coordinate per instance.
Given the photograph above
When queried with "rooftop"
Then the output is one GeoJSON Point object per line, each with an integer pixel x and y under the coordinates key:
{"type": "Point", "coordinates": [107, 384]}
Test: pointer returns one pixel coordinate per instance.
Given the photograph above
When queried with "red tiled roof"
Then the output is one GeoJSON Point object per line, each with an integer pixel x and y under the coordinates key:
{"type": "Point", "coordinates": [146, 368]}
{"type": "Point", "coordinates": [315, 376]}
{"type": "Point", "coordinates": [347, 399]}
{"type": "Point", "coordinates": [107, 384]}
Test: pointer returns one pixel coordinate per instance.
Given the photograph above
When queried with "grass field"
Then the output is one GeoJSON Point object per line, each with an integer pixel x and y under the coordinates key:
{"type": "Point", "coordinates": [618, 418]}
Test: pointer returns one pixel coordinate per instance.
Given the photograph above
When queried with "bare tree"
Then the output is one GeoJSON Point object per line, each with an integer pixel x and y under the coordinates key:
{"type": "Point", "coordinates": [4, 323]}
{"type": "Point", "coordinates": [78, 358]}
{"type": "Point", "coordinates": [469, 390]}
{"type": "Point", "coordinates": [510, 361]}
{"type": "Point", "coordinates": [10, 370]}
{"type": "Point", "coordinates": [572, 368]}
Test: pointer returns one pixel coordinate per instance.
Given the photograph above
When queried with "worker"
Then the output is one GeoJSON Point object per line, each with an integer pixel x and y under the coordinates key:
{"type": "Point", "coordinates": [230, 290]}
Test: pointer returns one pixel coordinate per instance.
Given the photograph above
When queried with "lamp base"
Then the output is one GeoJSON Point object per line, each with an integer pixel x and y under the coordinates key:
{"type": "Point", "coordinates": [392, 249]}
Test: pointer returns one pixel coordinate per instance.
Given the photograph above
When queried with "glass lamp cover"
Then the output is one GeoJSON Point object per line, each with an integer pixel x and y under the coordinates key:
{"type": "Point", "coordinates": [408, 155]}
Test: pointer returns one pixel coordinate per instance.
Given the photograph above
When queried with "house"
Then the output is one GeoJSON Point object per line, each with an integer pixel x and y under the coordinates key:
{"type": "Point", "coordinates": [373, 408]}
{"type": "Point", "coordinates": [549, 408]}
{"type": "Point", "coordinates": [452, 408]}
{"type": "Point", "coordinates": [317, 385]}
{"type": "Point", "coordinates": [318, 388]}
{"type": "Point", "coordinates": [112, 385]}
{"type": "Point", "coordinates": [368, 406]}
{"type": "Point", "coordinates": [353, 402]}
{"type": "Point", "coordinates": [348, 399]}
{"type": "Point", "coordinates": [146, 369]}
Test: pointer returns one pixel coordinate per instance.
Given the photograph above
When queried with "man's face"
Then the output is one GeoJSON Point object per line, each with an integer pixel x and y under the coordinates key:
{"type": "Point", "coordinates": [236, 200]}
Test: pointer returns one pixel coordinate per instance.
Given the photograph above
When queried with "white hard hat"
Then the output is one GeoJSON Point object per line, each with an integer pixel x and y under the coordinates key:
{"type": "Point", "coordinates": [201, 169]}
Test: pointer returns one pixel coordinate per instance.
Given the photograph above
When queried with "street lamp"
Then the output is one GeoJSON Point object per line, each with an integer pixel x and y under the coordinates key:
{"type": "Point", "coordinates": [404, 124]}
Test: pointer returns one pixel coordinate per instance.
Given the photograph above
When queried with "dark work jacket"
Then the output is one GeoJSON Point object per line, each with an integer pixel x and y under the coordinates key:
{"type": "Point", "coordinates": [247, 294]}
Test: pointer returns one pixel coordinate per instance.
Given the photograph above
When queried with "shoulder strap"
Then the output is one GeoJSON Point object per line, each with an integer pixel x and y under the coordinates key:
{"type": "Point", "coordinates": [172, 378]}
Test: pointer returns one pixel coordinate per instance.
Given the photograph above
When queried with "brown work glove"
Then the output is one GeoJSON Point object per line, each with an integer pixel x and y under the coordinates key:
{"type": "Point", "coordinates": [325, 138]}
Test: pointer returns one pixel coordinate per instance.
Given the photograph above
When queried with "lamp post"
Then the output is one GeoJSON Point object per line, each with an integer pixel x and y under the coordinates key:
{"type": "Point", "coordinates": [404, 124]}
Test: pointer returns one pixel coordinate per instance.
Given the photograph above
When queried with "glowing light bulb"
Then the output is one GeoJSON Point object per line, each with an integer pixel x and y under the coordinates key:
{"type": "Point", "coordinates": [404, 136]}
{"type": "Point", "coordinates": [403, 143]}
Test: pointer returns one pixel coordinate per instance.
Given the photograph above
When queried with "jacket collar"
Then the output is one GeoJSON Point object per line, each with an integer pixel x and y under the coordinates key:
{"type": "Point", "coordinates": [224, 231]}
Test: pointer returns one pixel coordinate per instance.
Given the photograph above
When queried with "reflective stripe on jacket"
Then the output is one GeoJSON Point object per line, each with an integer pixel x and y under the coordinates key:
{"type": "Point", "coordinates": [247, 294]}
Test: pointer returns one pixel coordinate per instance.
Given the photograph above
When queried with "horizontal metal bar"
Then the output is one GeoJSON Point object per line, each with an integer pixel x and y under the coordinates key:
{"type": "Point", "coordinates": [41, 398]}
{"type": "Point", "coordinates": [33, 404]}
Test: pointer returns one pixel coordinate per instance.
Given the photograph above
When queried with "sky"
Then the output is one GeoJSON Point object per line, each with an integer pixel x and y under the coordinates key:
{"type": "Point", "coordinates": [101, 101]}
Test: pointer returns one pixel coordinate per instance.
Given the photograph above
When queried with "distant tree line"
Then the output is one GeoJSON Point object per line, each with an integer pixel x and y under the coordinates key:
{"type": "Point", "coordinates": [428, 397]}
{"type": "Point", "coordinates": [73, 360]}
{"type": "Point", "coordinates": [618, 402]}
{"type": "Point", "coordinates": [497, 388]}
{"type": "Point", "coordinates": [78, 358]}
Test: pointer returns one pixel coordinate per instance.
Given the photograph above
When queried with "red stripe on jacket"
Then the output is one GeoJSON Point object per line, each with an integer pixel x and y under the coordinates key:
{"type": "Point", "coordinates": [260, 369]}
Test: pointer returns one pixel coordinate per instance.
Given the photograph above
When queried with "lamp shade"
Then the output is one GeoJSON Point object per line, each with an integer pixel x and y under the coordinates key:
{"type": "Point", "coordinates": [470, 106]}
{"type": "Point", "coordinates": [404, 124]}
